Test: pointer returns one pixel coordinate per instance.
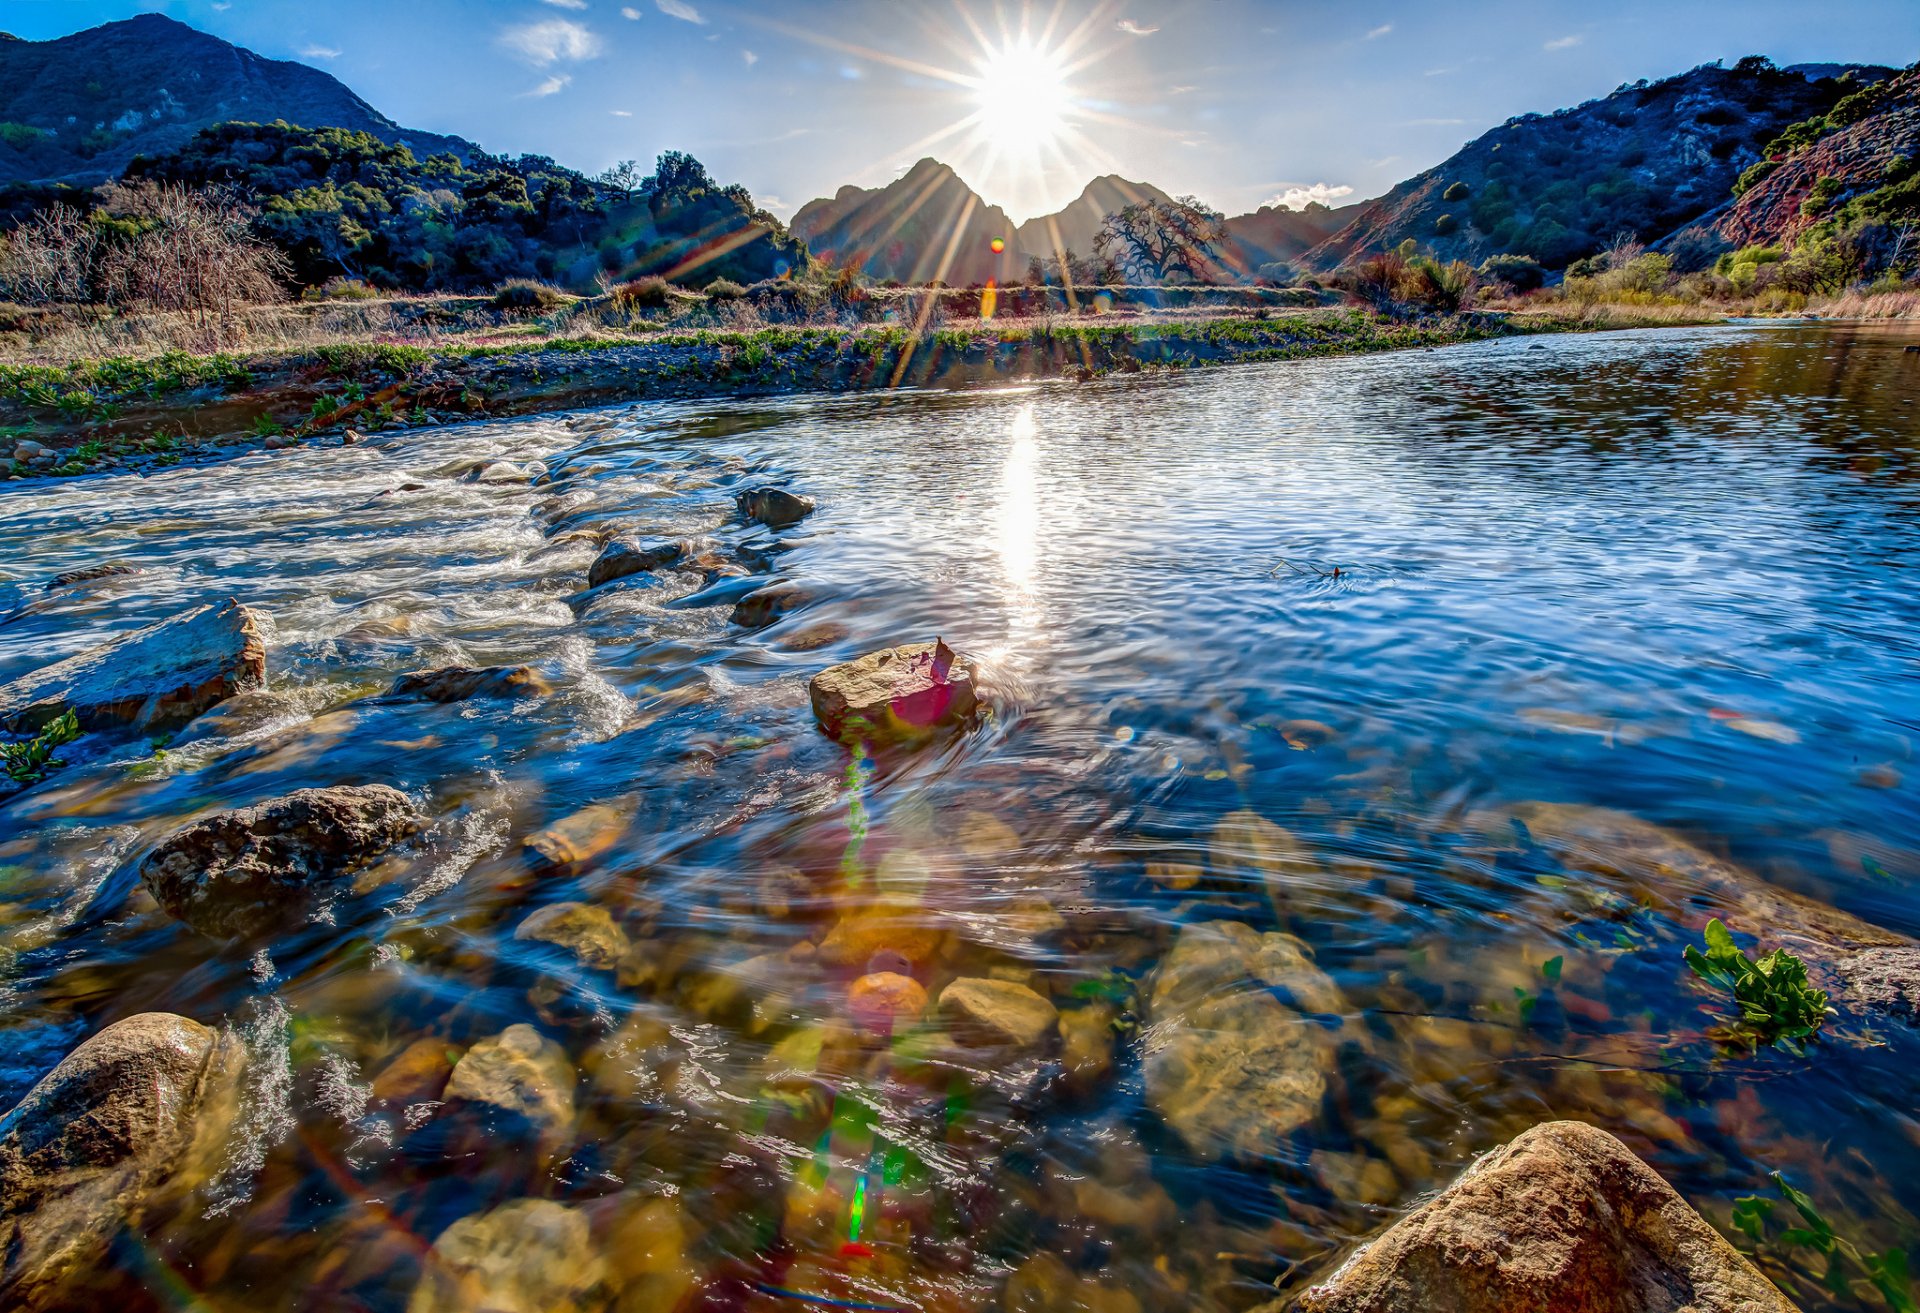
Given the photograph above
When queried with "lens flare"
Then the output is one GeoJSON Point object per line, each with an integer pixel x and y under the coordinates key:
{"type": "Point", "coordinates": [1021, 89]}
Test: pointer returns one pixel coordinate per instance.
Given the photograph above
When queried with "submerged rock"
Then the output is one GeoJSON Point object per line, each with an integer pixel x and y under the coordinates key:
{"type": "Point", "coordinates": [765, 605]}
{"type": "Point", "coordinates": [586, 931]}
{"type": "Point", "coordinates": [519, 1071]}
{"type": "Point", "coordinates": [125, 1120]}
{"type": "Point", "coordinates": [265, 867]}
{"type": "Point", "coordinates": [572, 843]}
{"type": "Point", "coordinates": [157, 678]}
{"type": "Point", "coordinates": [1564, 1219]}
{"type": "Point", "coordinates": [458, 683]}
{"type": "Point", "coordinates": [983, 1013]}
{"type": "Point", "coordinates": [528, 1256]}
{"type": "Point", "coordinates": [1229, 1067]}
{"type": "Point", "coordinates": [895, 693]}
{"type": "Point", "coordinates": [92, 574]}
{"type": "Point", "coordinates": [774, 507]}
{"type": "Point", "coordinates": [883, 1000]}
{"type": "Point", "coordinates": [625, 556]}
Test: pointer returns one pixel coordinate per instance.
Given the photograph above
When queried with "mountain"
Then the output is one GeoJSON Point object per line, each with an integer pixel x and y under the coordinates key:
{"type": "Point", "coordinates": [1645, 160]}
{"type": "Point", "coordinates": [1074, 227]}
{"type": "Point", "coordinates": [1278, 235]}
{"type": "Point", "coordinates": [1859, 160]}
{"type": "Point", "coordinates": [78, 108]}
{"type": "Point", "coordinates": [924, 225]}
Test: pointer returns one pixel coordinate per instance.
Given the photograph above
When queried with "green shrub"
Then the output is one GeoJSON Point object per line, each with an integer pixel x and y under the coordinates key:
{"type": "Point", "coordinates": [643, 294]}
{"type": "Point", "coordinates": [1777, 1005]}
{"type": "Point", "coordinates": [1522, 273]}
{"type": "Point", "coordinates": [724, 289]}
{"type": "Point", "coordinates": [21, 135]}
{"type": "Point", "coordinates": [347, 289]}
{"type": "Point", "coordinates": [1445, 225]}
{"type": "Point", "coordinates": [528, 294]}
{"type": "Point", "coordinates": [1754, 174]}
{"type": "Point", "coordinates": [1458, 192]}
{"type": "Point", "coordinates": [1821, 196]}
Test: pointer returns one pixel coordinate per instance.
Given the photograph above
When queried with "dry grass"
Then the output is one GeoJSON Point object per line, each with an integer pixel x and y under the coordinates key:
{"type": "Point", "coordinates": [86, 334]}
{"type": "Point", "coordinates": [1868, 305]}
{"type": "Point", "coordinates": [1608, 314]}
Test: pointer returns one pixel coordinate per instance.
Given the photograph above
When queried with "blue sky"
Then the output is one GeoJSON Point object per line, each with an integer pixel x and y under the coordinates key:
{"type": "Point", "coordinates": [1238, 101]}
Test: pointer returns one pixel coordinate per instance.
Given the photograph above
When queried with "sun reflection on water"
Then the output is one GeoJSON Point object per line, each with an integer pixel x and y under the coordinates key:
{"type": "Point", "coordinates": [1018, 536]}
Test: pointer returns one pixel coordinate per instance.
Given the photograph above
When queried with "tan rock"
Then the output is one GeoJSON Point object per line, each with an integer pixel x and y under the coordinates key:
{"type": "Point", "coordinates": [528, 1256]}
{"type": "Point", "coordinates": [898, 693]}
{"type": "Point", "coordinates": [153, 679]}
{"type": "Point", "coordinates": [458, 683]}
{"type": "Point", "coordinates": [1564, 1219]}
{"type": "Point", "coordinates": [884, 1000]}
{"type": "Point", "coordinates": [904, 927]}
{"type": "Point", "coordinates": [583, 929]}
{"type": "Point", "coordinates": [521, 1072]}
{"type": "Point", "coordinates": [417, 1074]}
{"type": "Point", "coordinates": [997, 1014]}
{"type": "Point", "coordinates": [577, 841]}
{"type": "Point", "coordinates": [1086, 1046]}
{"type": "Point", "coordinates": [646, 1255]}
{"type": "Point", "coordinates": [122, 1118]}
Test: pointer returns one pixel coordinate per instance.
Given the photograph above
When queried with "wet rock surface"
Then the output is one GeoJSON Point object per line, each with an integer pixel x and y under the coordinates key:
{"type": "Point", "coordinates": [458, 683]}
{"type": "Point", "coordinates": [586, 931]}
{"type": "Point", "coordinates": [522, 1073]}
{"type": "Point", "coordinates": [124, 1117]}
{"type": "Point", "coordinates": [153, 679]}
{"type": "Point", "coordinates": [774, 507]}
{"type": "Point", "coordinates": [985, 1013]}
{"type": "Point", "coordinates": [1229, 1067]}
{"type": "Point", "coordinates": [1565, 1219]}
{"type": "Point", "coordinates": [627, 556]}
{"type": "Point", "coordinates": [528, 1256]}
{"type": "Point", "coordinates": [896, 693]}
{"type": "Point", "coordinates": [269, 866]}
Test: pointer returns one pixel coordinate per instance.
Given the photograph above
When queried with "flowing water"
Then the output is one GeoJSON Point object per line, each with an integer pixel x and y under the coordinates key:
{"type": "Point", "coordinates": [1387, 605]}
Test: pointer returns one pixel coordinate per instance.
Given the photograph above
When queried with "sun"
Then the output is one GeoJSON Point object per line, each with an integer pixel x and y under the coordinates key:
{"type": "Point", "coordinates": [1022, 97]}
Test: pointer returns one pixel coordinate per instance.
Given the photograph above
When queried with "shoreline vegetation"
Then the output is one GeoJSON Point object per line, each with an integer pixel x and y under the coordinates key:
{"type": "Point", "coordinates": [140, 412]}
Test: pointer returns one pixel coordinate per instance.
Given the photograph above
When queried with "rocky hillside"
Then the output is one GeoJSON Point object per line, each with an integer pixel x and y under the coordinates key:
{"type": "Point", "coordinates": [1861, 155]}
{"type": "Point", "coordinates": [925, 225]}
{"type": "Point", "coordinates": [1278, 235]}
{"type": "Point", "coordinates": [1645, 160]}
{"type": "Point", "coordinates": [79, 108]}
{"type": "Point", "coordinates": [1075, 226]}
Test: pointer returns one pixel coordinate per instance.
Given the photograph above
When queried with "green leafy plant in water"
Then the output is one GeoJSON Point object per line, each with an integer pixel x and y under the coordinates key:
{"type": "Point", "coordinates": [1847, 1265]}
{"type": "Point", "coordinates": [1526, 1001]}
{"type": "Point", "coordinates": [28, 762]}
{"type": "Point", "coordinates": [1777, 1005]}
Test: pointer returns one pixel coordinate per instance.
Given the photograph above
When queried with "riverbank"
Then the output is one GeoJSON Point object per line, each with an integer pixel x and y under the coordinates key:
{"type": "Point", "coordinates": [124, 413]}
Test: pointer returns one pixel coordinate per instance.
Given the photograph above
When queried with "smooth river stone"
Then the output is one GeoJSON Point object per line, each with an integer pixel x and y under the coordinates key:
{"type": "Point", "coordinates": [519, 1071]}
{"type": "Point", "coordinates": [458, 683]}
{"type": "Point", "coordinates": [983, 1013]}
{"type": "Point", "coordinates": [774, 507]}
{"type": "Point", "coordinates": [528, 1256]}
{"type": "Point", "coordinates": [154, 679]}
{"type": "Point", "coordinates": [896, 693]}
{"type": "Point", "coordinates": [586, 931]}
{"type": "Point", "coordinates": [1564, 1219]}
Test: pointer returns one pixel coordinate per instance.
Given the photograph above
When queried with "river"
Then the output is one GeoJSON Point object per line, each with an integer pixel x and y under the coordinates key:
{"type": "Point", "coordinates": [1387, 604]}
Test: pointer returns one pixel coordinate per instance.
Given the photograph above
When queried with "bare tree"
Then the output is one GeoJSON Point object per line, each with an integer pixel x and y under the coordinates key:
{"type": "Point", "coordinates": [624, 177]}
{"type": "Point", "coordinates": [51, 257]}
{"type": "Point", "coordinates": [194, 252]}
{"type": "Point", "coordinates": [1153, 239]}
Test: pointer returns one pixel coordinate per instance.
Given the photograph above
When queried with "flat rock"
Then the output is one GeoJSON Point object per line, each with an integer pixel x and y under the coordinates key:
{"type": "Point", "coordinates": [458, 683]}
{"type": "Point", "coordinates": [528, 1256]}
{"type": "Point", "coordinates": [896, 693]}
{"type": "Point", "coordinates": [1564, 1219]}
{"type": "Point", "coordinates": [586, 931]}
{"type": "Point", "coordinates": [765, 605]}
{"type": "Point", "coordinates": [269, 866]}
{"type": "Point", "coordinates": [985, 1013]}
{"type": "Point", "coordinates": [774, 507]}
{"type": "Point", "coordinates": [519, 1071]}
{"type": "Point", "coordinates": [1229, 1066]}
{"type": "Point", "coordinates": [120, 1119]}
{"type": "Point", "coordinates": [157, 678]}
{"type": "Point", "coordinates": [624, 556]}
{"type": "Point", "coordinates": [575, 841]}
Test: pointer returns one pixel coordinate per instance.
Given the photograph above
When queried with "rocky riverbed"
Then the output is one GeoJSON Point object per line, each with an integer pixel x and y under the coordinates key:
{"type": "Point", "coordinates": [929, 853]}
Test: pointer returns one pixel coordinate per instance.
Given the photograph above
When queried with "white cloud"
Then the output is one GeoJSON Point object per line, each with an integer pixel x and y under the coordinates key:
{"type": "Point", "coordinates": [554, 39]}
{"type": "Point", "coordinates": [1297, 197]}
{"type": "Point", "coordinates": [552, 86]}
{"type": "Point", "coordinates": [1379, 32]}
{"type": "Point", "coordinates": [628, 11]}
{"type": "Point", "coordinates": [679, 9]}
{"type": "Point", "coordinates": [750, 57]}
{"type": "Point", "coordinates": [621, 113]}
{"type": "Point", "coordinates": [319, 52]}
{"type": "Point", "coordinates": [566, 4]}
{"type": "Point", "coordinates": [1132, 28]}
{"type": "Point", "coordinates": [1564, 42]}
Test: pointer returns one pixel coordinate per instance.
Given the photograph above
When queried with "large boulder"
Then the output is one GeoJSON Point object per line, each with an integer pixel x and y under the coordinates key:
{"type": "Point", "coordinates": [1229, 1066]}
{"type": "Point", "coordinates": [1565, 1219]}
{"type": "Point", "coordinates": [774, 507]}
{"type": "Point", "coordinates": [896, 693]}
{"type": "Point", "coordinates": [154, 679]}
{"type": "Point", "coordinates": [528, 1256]}
{"type": "Point", "coordinates": [268, 867]}
{"type": "Point", "coordinates": [124, 1121]}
